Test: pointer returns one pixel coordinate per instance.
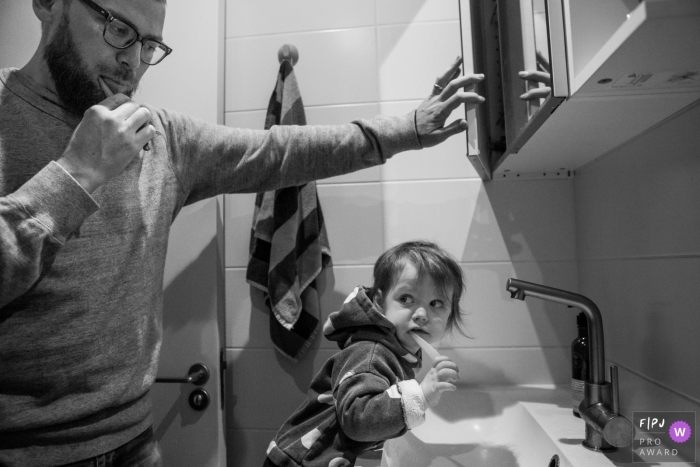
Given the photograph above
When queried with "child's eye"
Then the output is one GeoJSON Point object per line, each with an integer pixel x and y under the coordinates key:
{"type": "Point", "coordinates": [437, 304]}
{"type": "Point", "coordinates": [407, 299]}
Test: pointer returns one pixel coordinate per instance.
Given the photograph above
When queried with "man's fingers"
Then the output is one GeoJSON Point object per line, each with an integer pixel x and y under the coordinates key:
{"type": "Point", "coordinates": [536, 93]}
{"type": "Point", "coordinates": [115, 101]}
{"type": "Point", "coordinates": [461, 82]}
{"type": "Point", "coordinates": [538, 76]}
{"type": "Point", "coordinates": [139, 121]}
{"type": "Point", "coordinates": [125, 108]}
{"type": "Point", "coordinates": [457, 100]}
{"type": "Point", "coordinates": [138, 117]}
{"type": "Point", "coordinates": [449, 73]}
{"type": "Point", "coordinates": [145, 134]}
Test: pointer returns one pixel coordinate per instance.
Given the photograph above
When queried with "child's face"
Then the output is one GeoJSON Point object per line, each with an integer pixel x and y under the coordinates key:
{"type": "Point", "coordinates": [418, 306]}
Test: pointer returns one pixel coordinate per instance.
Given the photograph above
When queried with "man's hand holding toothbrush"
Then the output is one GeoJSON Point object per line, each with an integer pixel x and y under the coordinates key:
{"type": "Point", "coordinates": [110, 135]}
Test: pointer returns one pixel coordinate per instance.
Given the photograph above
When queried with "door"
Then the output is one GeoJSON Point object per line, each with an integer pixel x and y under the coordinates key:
{"type": "Point", "coordinates": [188, 416]}
{"type": "Point", "coordinates": [190, 81]}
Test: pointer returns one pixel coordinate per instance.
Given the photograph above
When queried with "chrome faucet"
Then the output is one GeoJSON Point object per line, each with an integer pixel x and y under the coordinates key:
{"type": "Point", "coordinates": [606, 429]}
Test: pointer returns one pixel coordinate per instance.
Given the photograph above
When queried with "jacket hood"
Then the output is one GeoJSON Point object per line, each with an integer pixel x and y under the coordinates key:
{"type": "Point", "coordinates": [359, 320]}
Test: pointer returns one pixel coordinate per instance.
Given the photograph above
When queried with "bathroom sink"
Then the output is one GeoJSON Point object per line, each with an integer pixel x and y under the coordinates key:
{"type": "Point", "coordinates": [509, 426]}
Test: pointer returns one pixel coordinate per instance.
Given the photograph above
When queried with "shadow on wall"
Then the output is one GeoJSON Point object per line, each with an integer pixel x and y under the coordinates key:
{"type": "Point", "coordinates": [531, 225]}
{"type": "Point", "coordinates": [410, 13]}
{"type": "Point", "coordinates": [191, 289]}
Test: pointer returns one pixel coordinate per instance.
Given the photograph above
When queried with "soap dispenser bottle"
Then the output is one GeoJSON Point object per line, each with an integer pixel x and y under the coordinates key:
{"type": "Point", "coordinates": [579, 363]}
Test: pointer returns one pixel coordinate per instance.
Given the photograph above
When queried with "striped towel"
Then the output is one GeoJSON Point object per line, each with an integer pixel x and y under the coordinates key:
{"type": "Point", "coordinates": [288, 244]}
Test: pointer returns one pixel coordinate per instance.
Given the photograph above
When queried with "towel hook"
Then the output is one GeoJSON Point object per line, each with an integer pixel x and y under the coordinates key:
{"type": "Point", "coordinates": [288, 52]}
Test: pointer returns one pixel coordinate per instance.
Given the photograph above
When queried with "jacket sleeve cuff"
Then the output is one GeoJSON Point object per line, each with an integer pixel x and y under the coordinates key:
{"type": "Point", "coordinates": [413, 402]}
{"type": "Point", "coordinates": [57, 200]}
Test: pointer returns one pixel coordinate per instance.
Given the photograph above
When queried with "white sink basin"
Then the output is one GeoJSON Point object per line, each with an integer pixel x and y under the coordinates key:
{"type": "Point", "coordinates": [513, 426]}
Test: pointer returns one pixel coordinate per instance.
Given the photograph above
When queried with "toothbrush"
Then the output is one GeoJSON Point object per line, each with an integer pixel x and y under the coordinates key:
{"type": "Point", "coordinates": [108, 92]}
{"type": "Point", "coordinates": [427, 348]}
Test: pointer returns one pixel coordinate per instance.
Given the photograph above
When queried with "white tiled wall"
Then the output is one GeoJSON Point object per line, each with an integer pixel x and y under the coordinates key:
{"type": "Point", "coordinates": [639, 253]}
{"type": "Point", "coordinates": [358, 59]}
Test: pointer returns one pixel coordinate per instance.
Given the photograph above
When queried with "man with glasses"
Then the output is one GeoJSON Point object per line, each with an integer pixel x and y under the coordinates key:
{"type": "Point", "coordinates": [90, 182]}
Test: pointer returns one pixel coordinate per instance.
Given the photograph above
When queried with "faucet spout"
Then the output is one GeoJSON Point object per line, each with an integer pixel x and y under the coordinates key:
{"type": "Point", "coordinates": [520, 289]}
{"type": "Point", "coordinates": [606, 429]}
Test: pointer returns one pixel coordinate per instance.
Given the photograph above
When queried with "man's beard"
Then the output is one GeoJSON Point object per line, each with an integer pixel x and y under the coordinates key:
{"type": "Point", "coordinates": [75, 87]}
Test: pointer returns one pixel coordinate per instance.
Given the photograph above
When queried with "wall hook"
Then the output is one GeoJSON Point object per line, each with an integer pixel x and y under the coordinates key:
{"type": "Point", "coordinates": [288, 52]}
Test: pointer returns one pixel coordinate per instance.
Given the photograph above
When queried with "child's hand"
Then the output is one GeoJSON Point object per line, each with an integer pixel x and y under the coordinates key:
{"type": "Point", "coordinates": [439, 379]}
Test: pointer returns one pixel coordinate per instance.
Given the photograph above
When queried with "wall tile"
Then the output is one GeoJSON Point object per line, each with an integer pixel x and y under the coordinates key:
{"type": "Point", "coordinates": [248, 317]}
{"type": "Point", "coordinates": [253, 120]}
{"type": "Point", "coordinates": [238, 220]}
{"type": "Point", "coordinates": [501, 221]}
{"type": "Point", "coordinates": [650, 326]}
{"type": "Point", "coordinates": [535, 217]}
{"type": "Point", "coordinates": [340, 114]}
{"type": "Point", "coordinates": [414, 11]}
{"type": "Point", "coordinates": [503, 366]}
{"type": "Point", "coordinates": [635, 203]}
{"type": "Point", "coordinates": [335, 67]}
{"type": "Point", "coordinates": [437, 211]}
{"type": "Point", "coordinates": [335, 284]}
{"type": "Point", "coordinates": [411, 56]}
{"type": "Point", "coordinates": [352, 214]}
{"type": "Point", "coordinates": [494, 319]}
{"type": "Point", "coordinates": [252, 18]}
{"type": "Point", "coordinates": [447, 160]}
{"type": "Point", "coordinates": [264, 388]}
{"type": "Point", "coordinates": [353, 217]}
{"type": "Point", "coordinates": [639, 256]}
{"type": "Point", "coordinates": [640, 394]}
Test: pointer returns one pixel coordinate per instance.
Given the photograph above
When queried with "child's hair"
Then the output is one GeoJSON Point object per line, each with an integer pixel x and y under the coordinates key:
{"type": "Point", "coordinates": [430, 259]}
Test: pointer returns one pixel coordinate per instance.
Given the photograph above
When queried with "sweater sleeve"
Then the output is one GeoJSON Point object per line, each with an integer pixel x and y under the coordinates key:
{"type": "Point", "coordinates": [370, 408]}
{"type": "Point", "coordinates": [35, 222]}
{"type": "Point", "coordinates": [214, 159]}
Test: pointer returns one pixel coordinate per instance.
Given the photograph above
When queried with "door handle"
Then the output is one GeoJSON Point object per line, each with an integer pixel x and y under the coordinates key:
{"type": "Point", "coordinates": [198, 375]}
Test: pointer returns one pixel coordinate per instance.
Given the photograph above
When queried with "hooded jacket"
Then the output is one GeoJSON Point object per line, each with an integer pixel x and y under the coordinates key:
{"type": "Point", "coordinates": [363, 395]}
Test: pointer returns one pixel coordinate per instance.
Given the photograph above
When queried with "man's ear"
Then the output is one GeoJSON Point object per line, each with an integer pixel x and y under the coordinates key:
{"type": "Point", "coordinates": [48, 11]}
{"type": "Point", "coordinates": [378, 300]}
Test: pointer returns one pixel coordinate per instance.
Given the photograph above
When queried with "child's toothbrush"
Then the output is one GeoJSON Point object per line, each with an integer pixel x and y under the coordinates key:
{"type": "Point", "coordinates": [427, 348]}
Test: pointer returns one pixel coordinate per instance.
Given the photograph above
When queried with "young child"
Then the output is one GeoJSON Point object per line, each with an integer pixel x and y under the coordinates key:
{"type": "Point", "coordinates": [367, 392]}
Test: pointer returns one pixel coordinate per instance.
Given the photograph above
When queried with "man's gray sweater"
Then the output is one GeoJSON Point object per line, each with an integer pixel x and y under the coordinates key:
{"type": "Point", "coordinates": [81, 275]}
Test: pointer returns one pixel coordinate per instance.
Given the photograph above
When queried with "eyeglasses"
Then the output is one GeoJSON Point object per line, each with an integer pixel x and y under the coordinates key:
{"type": "Point", "coordinates": [121, 35]}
